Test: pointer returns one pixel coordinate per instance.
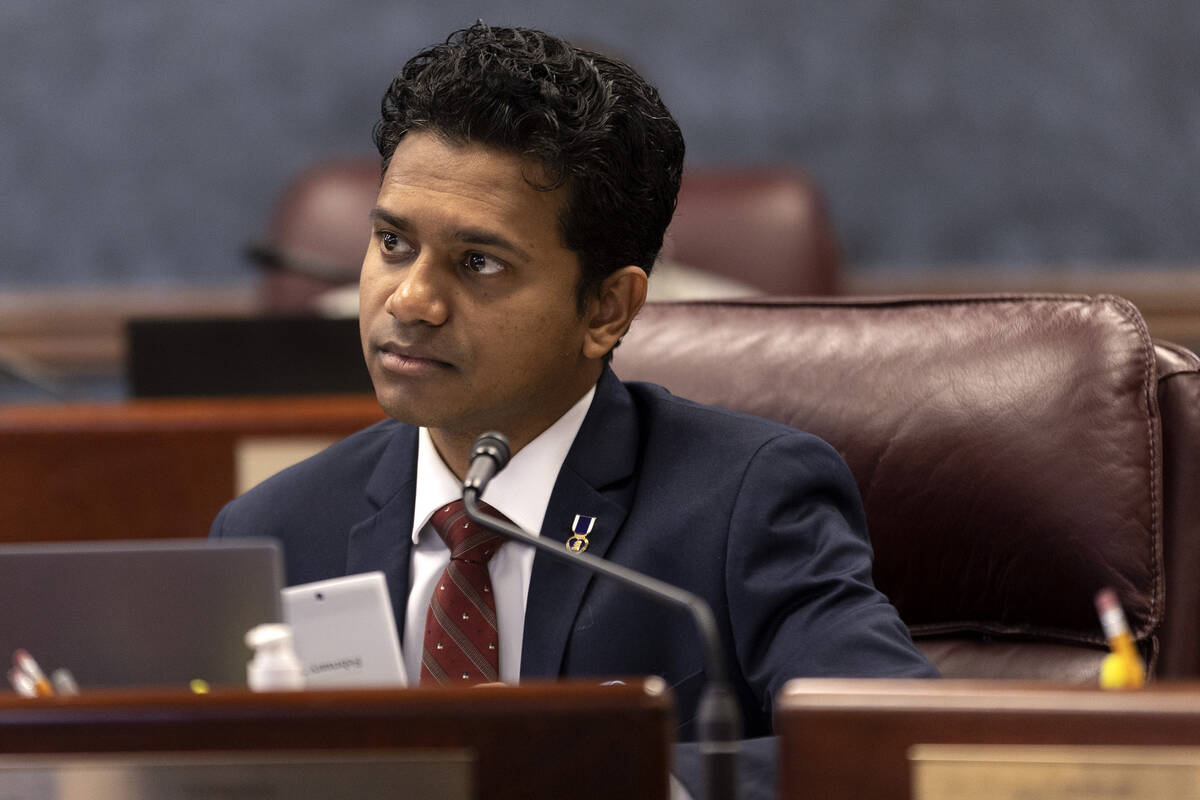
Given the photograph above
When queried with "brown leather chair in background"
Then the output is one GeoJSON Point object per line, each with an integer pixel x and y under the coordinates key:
{"type": "Point", "coordinates": [768, 228]}
{"type": "Point", "coordinates": [318, 233]}
{"type": "Point", "coordinates": [1015, 454]}
{"type": "Point", "coordinates": [765, 228]}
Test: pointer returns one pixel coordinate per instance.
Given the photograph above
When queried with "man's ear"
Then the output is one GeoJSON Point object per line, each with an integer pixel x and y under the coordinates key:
{"type": "Point", "coordinates": [610, 313]}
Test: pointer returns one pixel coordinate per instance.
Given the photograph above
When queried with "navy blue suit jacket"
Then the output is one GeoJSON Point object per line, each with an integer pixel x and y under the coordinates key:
{"type": "Point", "coordinates": [761, 520]}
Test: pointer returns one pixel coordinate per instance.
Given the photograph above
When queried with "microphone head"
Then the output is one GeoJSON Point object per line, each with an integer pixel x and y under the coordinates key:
{"type": "Point", "coordinates": [494, 445]}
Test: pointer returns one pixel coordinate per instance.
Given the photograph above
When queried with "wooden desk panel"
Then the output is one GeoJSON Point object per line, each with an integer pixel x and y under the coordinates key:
{"type": "Point", "coordinates": [144, 469]}
{"type": "Point", "coordinates": [553, 740]}
{"type": "Point", "coordinates": [843, 739]}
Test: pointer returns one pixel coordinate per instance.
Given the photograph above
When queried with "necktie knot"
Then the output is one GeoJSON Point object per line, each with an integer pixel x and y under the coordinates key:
{"type": "Point", "coordinates": [467, 541]}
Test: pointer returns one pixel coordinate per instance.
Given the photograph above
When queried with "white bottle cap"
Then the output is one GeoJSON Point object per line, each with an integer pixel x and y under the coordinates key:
{"type": "Point", "coordinates": [275, 666]}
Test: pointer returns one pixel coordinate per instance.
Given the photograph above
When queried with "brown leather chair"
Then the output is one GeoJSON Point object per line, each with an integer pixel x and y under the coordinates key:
{"type": "Point", "coordinates": [1015, 454]}
{"type": "Point", "coordinates": [318, 233]}
{"type": "Point", "coordinates": [765, 228]}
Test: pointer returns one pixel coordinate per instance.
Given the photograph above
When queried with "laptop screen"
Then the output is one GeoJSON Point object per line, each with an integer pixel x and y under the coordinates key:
{"type": "Point", "coordinates": [139, 613]}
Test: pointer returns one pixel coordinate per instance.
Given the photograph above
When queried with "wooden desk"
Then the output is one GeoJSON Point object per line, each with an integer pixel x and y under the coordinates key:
{"type": "Point", "coordinates": [151, 468]}
{"type": "Point", "coordinates": [553, 740]}
{"type": "Point", "coordinates": [851, 738]}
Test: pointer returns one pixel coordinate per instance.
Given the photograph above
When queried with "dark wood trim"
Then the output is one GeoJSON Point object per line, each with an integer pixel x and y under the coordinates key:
{"type": "Point", "coordinates": [144, 469]}
{"type": "Point", "coordinates": [549, 740]}
{"type": "Point", "coordinates": [844, 739]}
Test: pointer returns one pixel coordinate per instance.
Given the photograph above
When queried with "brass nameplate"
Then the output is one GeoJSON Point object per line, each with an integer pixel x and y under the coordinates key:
{"type": "Point", "coordinates": [1057, 772]}
{"type": "Point", "coordinates": [239, 776]}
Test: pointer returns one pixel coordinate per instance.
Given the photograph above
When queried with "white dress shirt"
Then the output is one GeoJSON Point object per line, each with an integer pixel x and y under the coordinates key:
{"type": "Point", "coordinates": [520, 492]}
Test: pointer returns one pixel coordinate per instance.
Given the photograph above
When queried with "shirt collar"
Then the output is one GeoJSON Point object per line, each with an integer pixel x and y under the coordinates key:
{"type": "Point", "coordinates": [520, 492]}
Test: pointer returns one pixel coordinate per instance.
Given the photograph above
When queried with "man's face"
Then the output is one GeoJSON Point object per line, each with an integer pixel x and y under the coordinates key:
{"type": "Point", "coordinates": [468, 308]}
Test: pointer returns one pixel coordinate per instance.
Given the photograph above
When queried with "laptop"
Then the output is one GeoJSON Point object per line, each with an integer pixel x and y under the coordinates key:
{"type": "Point", "coordinates": [139, 613]}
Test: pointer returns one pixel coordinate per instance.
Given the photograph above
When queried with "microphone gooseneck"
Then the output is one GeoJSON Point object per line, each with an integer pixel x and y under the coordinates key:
{"type": "Point", "coordinates": [718, 715]}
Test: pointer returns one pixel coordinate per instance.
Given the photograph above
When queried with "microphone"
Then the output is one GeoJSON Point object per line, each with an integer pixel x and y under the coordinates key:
{"type": "Point", "coordinates": [271, 258]}
{"type": "Point", "coordinates": [718, 717]}
{"type": "Point", "coordinates": [489, 455]}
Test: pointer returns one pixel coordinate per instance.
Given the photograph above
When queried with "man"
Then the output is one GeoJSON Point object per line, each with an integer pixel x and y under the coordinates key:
{"type": "Point", "coordinates": [526, 189]}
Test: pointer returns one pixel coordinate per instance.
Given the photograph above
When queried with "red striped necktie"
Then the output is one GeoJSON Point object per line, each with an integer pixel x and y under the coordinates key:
{"type": "Point", "coordinates": [461, 641]}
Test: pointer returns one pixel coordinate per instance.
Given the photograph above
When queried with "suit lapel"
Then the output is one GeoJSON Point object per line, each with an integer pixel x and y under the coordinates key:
{"type": "Point", "coordinates": [594, 482]}
{"type": "Point", "coordinates": [383, 541]}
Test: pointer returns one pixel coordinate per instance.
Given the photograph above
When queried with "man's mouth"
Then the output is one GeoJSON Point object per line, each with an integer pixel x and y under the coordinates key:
{"type": "Point", "coordinates": [409, 360]}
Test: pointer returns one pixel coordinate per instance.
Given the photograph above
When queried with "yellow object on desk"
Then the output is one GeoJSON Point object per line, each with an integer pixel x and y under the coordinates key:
{"type": "Point", "coordinates": [1123, 667]}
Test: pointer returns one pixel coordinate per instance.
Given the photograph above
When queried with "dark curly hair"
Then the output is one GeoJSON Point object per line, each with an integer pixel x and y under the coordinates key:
{"type": "Point", "coordinates": [593, 124]}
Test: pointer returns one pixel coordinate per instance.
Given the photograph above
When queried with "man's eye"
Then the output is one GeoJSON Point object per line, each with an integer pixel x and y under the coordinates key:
{"type": "Point", "coordinates": [481, 264]}
{"type": "Point", "coordinates": [389, 240]}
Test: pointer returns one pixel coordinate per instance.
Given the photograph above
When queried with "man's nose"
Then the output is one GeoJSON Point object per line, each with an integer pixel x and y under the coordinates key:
{"type": "Point", "coordinates": [420, 295]}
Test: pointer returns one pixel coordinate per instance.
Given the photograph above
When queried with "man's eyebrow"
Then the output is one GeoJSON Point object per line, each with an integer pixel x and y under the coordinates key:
{"type": "Point", "coordinates": [388, 217]}
{"type": "Point", "coordinates": [490, 239]}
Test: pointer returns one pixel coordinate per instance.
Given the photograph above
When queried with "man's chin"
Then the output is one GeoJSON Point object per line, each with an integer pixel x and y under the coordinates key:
{"type": "Point", "coordinates": [404, 411]}
{"type": "Point", "coordinates": [401, 405]}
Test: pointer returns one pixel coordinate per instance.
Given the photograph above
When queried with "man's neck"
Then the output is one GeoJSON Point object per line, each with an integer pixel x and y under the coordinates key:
{"type": "Point", "coordinates": [454, 450]}
{"type": "Point", "coordinates": [455, 447]}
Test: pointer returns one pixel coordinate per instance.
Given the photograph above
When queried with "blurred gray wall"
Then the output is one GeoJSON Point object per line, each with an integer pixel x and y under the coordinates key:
{"type": "Point", "coordinates": [142, 142]}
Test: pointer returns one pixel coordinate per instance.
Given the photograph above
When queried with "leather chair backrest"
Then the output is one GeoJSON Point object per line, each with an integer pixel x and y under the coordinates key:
{"type": "Point", "coordinates": [1179, 407]}
{"type": "Point", "coordinates": [768, 229]}
{"type": "Point", "coordinates": [1009, 451]}
{"type": "Point", "coordinates": [318, 232]}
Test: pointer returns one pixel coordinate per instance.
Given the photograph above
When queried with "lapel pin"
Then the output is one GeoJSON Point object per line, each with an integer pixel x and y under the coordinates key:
{"type": "Point", "coordinates": [580, 529]}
